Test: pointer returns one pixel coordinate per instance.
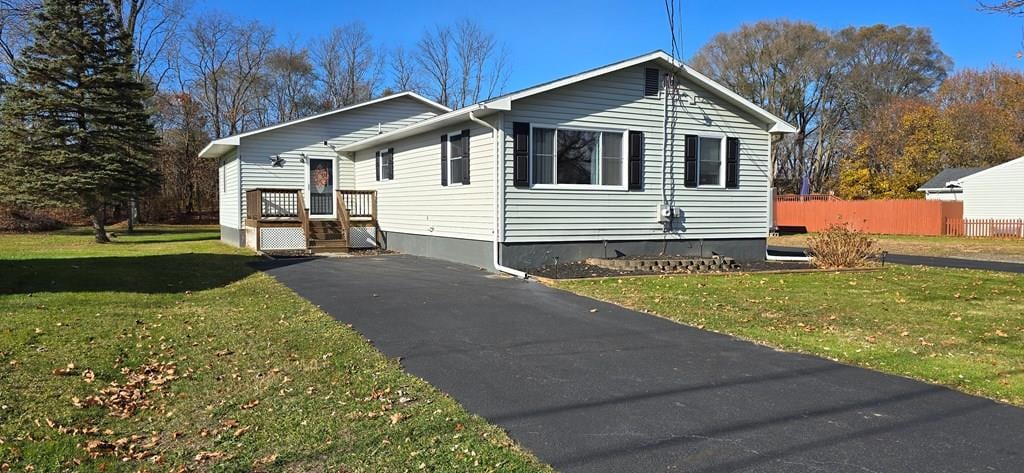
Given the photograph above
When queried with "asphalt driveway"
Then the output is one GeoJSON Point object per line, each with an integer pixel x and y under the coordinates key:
{"type": "Point", "coordinates": [619, 391]}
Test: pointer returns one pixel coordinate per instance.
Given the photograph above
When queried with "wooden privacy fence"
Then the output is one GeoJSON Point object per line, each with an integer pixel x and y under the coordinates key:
{"type": "Point", "coordinates": [997, 228]}
{"type": "Point", "coordinates": [895, 217]}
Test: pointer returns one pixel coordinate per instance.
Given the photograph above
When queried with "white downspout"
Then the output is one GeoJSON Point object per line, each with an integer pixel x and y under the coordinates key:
{"type": "Point", "coordinates": [499, 194]}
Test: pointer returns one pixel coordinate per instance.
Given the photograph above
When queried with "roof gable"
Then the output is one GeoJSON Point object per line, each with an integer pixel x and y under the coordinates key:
{"type": "Point", "coordinates": [1012, 162]}
{"type": "Point", "coordinates": [220, 146]}
{"type": "Point", "coordinates": [504, 102]}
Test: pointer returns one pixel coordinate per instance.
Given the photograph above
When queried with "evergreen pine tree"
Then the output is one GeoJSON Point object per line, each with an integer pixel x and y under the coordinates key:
{"type": "Point", "coordinates": [73, 120]}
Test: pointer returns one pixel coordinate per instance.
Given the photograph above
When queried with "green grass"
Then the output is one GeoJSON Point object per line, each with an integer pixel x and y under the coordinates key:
{"type": "Point", "coordinates": [263, 380]}
{"type": "Point", "coordinates": [960, 328]}
{"type": "Point", "coordinates": [990, 249]}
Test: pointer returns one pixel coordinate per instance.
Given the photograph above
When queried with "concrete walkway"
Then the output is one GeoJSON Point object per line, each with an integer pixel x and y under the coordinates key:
{"type": "Point", "coordinates": [619, 391]}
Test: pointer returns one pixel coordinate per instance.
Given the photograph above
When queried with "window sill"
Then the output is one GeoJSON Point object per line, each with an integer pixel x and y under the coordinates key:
{"type": "Point", "coordinates": [578, 187]}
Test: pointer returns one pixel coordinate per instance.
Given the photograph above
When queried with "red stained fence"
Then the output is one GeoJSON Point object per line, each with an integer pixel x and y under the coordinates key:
{"type": "Point", "coordinates": [993, 228]}
{"type": "Point", "coordinates": [894, 217]}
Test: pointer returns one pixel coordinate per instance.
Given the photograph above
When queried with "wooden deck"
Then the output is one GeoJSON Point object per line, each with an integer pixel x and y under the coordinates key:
{"type": "Point", "coordinates": [278, 220]}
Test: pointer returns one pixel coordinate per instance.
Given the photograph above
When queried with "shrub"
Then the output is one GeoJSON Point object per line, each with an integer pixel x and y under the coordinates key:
{"type": "Point", "coordinates": [840, 247]}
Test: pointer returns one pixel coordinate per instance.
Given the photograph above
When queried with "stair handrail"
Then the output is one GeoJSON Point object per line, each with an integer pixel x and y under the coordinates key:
{"type": "Point", "coordinates": [343, 216]}
{"type": "Point", "coordinates": [303, 217]}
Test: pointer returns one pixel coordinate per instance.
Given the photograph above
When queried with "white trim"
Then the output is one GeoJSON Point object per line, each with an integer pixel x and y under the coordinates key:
{"type": "Point", "coordinates": [983, 171]}
{"type": "Point", "coordinates": [234, 140]}
{"type": "Point", "coordinates": [595, 170]}
{"type": "Point", "coordinates": [380, 165]}
{"type": "Point", "coordinates": [309, 196]}
{"type": "Point", "coordinates": [448, 162]}
{"type": "Point", "coordinates": [722, 156]}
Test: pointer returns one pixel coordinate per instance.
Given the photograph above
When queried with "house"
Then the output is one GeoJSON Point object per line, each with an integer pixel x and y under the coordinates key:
{"type": "Point", "coordinates": [994, 193]}
{"type": "Point", "coordinates": [643, 156]}
{"type": "Point", "coordinates": [943, 186]}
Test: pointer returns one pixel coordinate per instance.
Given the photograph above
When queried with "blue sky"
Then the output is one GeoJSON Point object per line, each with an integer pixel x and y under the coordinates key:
{"type": "Point", "coordinates": [551, 38]}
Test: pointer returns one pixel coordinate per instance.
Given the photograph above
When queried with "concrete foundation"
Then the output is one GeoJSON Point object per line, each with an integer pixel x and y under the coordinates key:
{"type": "Point", "coordinates": [526, 256]}
{"type": "Point", "coordinates": [472, 252]}
{"type": "Point", "coordinates": [232, 236]}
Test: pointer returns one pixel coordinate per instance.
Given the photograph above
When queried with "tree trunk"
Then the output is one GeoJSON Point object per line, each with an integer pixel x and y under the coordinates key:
{"type": "Point", "coordinates": [131, 215]}
{"type": "Point", "coordinates": [99, 217]}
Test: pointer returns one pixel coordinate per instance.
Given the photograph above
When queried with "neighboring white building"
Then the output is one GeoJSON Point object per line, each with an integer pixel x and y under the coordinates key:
{"type": "Point", "coordinates": [637, 157]}
{"type": "Point", "coordinates": [994, 193]}
{"type": "Point", "coordinates": [944, 185]}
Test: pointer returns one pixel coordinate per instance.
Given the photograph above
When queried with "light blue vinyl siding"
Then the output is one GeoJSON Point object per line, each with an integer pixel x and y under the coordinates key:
{"type": "Point", "coordinates": [228, 191]}
{"type": "Point", "coordinates": [290, 142]}
{"type": "Point", "coordinates": [615, 101]}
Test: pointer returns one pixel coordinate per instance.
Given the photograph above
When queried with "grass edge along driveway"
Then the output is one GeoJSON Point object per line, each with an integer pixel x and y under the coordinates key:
{"type": "Point", "coordinates": [959, 328]}
{"type": "Point", "coordinates": [165, 351]}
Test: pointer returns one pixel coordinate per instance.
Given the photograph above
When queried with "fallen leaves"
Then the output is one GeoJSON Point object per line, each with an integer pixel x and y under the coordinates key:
{"type": "Point", "coordinates": [68, 370]}
{"type": "Point", "coordinates": [251, 404]}
{"type": "Point", "coordinates": [123, 400]}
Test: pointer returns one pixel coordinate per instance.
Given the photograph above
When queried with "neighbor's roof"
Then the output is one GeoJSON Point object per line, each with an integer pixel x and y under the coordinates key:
{"type": "Point", "coordinates": [504, 102]}
{"type": "Point", "coordinates": [218, 147]}
{"type": "Point", "coordinates": [996, 168]}
{"type": "Point", "coordinates": [942, 179]}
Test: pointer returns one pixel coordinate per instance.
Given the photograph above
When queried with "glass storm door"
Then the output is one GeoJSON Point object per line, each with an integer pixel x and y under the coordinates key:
{"type": "Point", "coordinates": [321, 187]}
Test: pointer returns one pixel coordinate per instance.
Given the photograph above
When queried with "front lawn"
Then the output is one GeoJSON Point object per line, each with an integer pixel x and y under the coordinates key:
{"type": "Point", "coordinates": [166, 351]}
{"type": "Point", "coordinates": [989, 249]}
{"type": "Point", "coordinates": [960, 328]}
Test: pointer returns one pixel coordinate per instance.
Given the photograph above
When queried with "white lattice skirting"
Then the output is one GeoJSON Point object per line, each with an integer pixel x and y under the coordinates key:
{"type": "Point", "coordinates": [362, 237]}
{"type": "Point", "coordinates": [282, 238]}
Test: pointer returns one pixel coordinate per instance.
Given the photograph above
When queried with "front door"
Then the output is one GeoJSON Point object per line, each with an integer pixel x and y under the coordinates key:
{"type": "Point", "coordinates": [321, 187]}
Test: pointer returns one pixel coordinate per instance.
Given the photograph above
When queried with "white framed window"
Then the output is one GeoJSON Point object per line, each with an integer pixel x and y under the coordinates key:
{"type": "Point", "coordinates": [456, 157]}
{"type": "Point", "coordinates": [711, 161]}
{"type": "Point", "coordinates": [577, 157]}
{"type": "Point", "coordinates": [385, 163]}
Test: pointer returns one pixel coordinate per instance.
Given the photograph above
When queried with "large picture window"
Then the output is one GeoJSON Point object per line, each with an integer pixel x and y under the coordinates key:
{"type": "Point", "coordinates": [566, 156]}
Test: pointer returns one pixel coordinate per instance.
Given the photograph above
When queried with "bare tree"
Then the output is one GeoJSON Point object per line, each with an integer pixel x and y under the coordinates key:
{"type": "Point", "coordinates": [289, 82]}
{"type": "Point", "coordinates": [435, 59]}
{"type": "Point", "coordinates": [826, 84]}
{"type": "Point", "coordinates": [1010, 7]}
{"type": "Point", "coordinates": [155, 27]}
{"type": "Point", "coordinates": [226, 60]}
{"type": "Point", "coordinates": [463, 64]}
{"type": "Point", "coordinates": [404, 71]}
{"type": "Point", "coordinates": [14, 30]}
{"type": "Point", "coordinates": [349, 64]}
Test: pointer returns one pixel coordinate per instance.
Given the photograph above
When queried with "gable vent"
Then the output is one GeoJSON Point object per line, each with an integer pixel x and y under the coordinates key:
{"type": "Point", "coordinates": [651, 82]}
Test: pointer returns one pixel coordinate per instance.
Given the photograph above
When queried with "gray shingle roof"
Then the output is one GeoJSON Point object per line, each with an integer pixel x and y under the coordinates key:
{"type": "Point", "coordinates": [948, 174]}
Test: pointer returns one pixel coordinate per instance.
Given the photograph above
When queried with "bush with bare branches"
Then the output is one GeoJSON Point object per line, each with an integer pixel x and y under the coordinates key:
{"type": "Point", "coordinates": [839, 246]}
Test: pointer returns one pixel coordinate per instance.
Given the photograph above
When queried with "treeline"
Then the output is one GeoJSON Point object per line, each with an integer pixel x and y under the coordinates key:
{"type": "Point", "coordinates": [877, 108]}
{"type": "Point", "coordinates": [212, 75]}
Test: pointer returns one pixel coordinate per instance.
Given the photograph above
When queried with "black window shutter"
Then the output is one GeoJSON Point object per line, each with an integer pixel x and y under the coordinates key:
{"type": "Point", "coordinates": [444, 160]}
{"type": "Point", "coordinates": [465, 156]}
{"type": "Point", "coordinates": [732, 163]}
{"type": "Point", "coordinates": [690, 161]}
{"type": "Point", "coordinates": [521, 154]}
{"type": "Point", "coordinates": [651, 82]}
{"type": "Point", "coordinates": [636, 160]}
{"type": "Point", "coordinates": [391, 163]}
{"type": "Point", "coordinates": [377, 164]}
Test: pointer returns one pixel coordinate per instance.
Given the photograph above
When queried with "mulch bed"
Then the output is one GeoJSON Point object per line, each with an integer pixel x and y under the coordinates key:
{"type": "Point", "coordinates": [579, 269]}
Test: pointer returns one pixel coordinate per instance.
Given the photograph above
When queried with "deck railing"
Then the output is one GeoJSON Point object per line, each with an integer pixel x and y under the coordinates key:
{"type": "Point", "coordinates": [261, 204]}
{"type": "Point", "coordinates": [359, 203]}
{"type": "Point", "coordinates": [990, 228]}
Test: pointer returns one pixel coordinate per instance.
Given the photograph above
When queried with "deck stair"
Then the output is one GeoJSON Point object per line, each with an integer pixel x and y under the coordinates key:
{"type": "Point", "coordinates": [326, 236]}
